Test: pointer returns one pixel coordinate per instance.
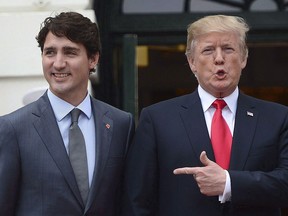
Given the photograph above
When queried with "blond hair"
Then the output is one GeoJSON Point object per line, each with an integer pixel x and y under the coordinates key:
{"type": "Point", "coordinates": [217, 23]}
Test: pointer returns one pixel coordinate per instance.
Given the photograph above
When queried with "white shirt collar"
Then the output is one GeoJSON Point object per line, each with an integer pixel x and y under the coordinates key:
{"type": "Point", "coordinates": [207, 99]}
{"type": "Point", "coordinates": [61, 108]}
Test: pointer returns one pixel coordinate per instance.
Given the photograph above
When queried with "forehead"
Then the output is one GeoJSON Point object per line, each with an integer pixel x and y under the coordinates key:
{"type": "Point", "coordinates": [218, 38]}
{"type": "Point", "coordinates": [60, 42]}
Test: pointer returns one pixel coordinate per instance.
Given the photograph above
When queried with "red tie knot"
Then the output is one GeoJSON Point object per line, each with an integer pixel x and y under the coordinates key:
{"type": "Point", "coordinates": [219, 104]}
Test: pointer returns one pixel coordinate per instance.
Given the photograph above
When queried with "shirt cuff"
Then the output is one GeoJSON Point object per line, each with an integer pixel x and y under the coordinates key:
{"type": "Point", "coordinates": [226, 196]}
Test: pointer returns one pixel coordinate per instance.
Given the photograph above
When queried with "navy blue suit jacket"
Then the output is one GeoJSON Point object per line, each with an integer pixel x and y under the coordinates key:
{"type": "Point", "coordinates": [36, 177]}
{"type": "Point", "coordinates": [173, 133]}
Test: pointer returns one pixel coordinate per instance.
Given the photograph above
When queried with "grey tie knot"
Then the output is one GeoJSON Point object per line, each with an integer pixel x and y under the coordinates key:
{"type": "Point", "coordinates": [75, 113]}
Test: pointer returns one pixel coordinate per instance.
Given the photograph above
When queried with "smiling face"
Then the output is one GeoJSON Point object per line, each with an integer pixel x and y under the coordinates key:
{"type": "Point", "coordinates": [217, 61]}
{"type": "Point", "coordinates": [66, 68]}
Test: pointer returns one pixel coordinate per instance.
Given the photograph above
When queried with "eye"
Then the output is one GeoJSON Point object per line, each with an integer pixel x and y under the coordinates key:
{"type": "Point", "coordinates": [70, 53]}
{"type": "Point", "coordinates": [208, 51]}
{"type": "Point", "coordinates": [228, 49]}
{"type": "Point", "coordinates": [49, 52]}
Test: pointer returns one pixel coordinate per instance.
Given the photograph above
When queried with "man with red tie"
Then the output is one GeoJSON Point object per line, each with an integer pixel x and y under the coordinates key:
{"type": "Point", "coordinates": [215, 151]}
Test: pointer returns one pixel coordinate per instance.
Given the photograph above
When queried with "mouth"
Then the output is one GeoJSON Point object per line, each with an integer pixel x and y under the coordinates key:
{"type": "Point", "coordinates": [220, 73]}
{"type": "Point", "coordinates": [60, 75]}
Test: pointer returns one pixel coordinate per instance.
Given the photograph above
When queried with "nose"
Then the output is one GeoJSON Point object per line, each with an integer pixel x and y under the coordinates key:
{"type": "Point", "coordinates": [59, 62]}
{"type": "Point", "coordinates": [219, 57]}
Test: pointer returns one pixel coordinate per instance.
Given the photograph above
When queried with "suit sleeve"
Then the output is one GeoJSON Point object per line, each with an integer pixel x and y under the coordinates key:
{"type": "Point", "coordinates": [261, 187]}
{"type": "Point", "coordinates": [140, 183]}
{"type": "Point", "coordinates": [9, 168]}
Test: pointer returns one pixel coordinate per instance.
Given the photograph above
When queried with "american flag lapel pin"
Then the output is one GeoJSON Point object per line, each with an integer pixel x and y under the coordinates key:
{"type": "Point", "coordinates": [107, 126]}
{"type": "Point", "coordinates": [250, 114]}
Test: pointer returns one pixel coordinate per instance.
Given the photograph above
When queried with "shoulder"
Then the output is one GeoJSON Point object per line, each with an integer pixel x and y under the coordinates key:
{"type": "Point", "coordinates": [174, 103]}
{"type": "Point", "coordinates": [171, 108]}
{"type": "Point", "coordinates": [16, 120]}
{"type": "Point", "coordinates": [260, 103]}
{"type": "Point", "coordinates": [20, 113]}
{"type": "Point", "coordinates": [268, 110]}
{"type": "Point", "coordinates": [29, 111]}
{"type": "Point", "coordinates": [107, 109]}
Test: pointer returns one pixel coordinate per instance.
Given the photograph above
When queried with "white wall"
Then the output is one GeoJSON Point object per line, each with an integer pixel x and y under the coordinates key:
{"type": "Point", "coordinates": [20, 56]}
{"type": "Point", "coordinates": [13, 90]}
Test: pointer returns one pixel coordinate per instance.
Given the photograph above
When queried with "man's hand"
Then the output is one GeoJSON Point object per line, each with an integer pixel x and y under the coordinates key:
{"type": "Point", "coordinates": [210, 178]}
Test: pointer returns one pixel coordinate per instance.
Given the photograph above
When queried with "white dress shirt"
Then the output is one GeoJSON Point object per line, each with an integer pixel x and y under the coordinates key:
{"type": "Point", "coordinates": [229, 113]}
{"type": "Point", "coordinates": [86, 123]}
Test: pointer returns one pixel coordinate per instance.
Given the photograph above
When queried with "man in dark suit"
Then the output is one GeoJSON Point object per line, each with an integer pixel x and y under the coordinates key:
{"type": "Point", "coordinates": [36, 176]}
{"type": "Point", "coordinates": [172, 167]}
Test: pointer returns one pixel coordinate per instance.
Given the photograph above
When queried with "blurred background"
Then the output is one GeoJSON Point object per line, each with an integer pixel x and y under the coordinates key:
{"type": "Point", "coordinates": [142, 60]}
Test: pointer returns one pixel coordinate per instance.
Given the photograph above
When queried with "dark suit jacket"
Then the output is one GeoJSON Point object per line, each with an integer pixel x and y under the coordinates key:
{"type": "Point", "coordinates": [36, 178]}
{"type": "Point", "coordinates": [173, 133]}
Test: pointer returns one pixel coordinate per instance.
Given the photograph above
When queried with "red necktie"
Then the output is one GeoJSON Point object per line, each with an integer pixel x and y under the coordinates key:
{"type": "Point", "coordinates": [221, 137]}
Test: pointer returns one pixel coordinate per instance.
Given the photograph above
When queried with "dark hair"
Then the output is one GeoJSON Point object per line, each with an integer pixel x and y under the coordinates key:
{"type": "Point", "coordinates": [75, 27]}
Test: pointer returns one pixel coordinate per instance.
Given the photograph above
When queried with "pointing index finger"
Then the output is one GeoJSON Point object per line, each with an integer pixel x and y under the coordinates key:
{"type": "Point", "coordinates": [185, 171]}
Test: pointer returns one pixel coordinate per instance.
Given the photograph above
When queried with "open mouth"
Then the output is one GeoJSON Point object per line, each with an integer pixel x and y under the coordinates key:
{"type": "Point", "coordinates": [220, 73]}
{"type": "Point", "coordinates": [60, 75]}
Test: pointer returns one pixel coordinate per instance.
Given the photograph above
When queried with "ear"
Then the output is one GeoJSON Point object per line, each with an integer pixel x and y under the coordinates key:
{"type": "Point", "coordinates": [243, 63]}
{"type": "Point", "coordinates": [93, 60]}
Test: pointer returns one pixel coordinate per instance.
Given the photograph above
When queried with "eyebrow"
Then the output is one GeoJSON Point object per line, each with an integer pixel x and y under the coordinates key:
{"type": "Point", "coordinates": [48, 48]}
{"type": "Point", "coordinates": [66, 48]}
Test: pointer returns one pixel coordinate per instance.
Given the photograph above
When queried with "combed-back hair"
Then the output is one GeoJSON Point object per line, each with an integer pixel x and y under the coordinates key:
{"type": "Point", "coordinates": [217, 23]}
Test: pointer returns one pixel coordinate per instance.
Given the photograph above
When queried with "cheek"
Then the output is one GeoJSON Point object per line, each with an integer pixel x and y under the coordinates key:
{"type": "Point", "coordinates": [236, 65]}
{"type": "Point", "coordinates": [45, 64]}
{"type": "Point", "coordinates": [82, 70]}
{"type": "Point", "coordinates": [194, 64]}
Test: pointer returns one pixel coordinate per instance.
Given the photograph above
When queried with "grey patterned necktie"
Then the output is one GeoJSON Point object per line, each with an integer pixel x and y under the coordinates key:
{"type": "Point", "coordinates": [77, 155]}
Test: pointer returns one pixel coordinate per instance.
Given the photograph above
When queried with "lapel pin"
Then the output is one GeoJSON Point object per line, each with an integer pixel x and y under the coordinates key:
{"type": "Point", "coordinates": [249, 113]}
{"type": "Point", "coordinates": [107, 126]}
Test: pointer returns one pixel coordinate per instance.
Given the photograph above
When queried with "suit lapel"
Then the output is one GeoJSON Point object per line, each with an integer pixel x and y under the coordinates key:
{"type": "Point", "coordinates": [47, 128]}
{"type": "Point", "coordinates": [192, 115]}
{"type": "Point", "coordinates": [245, 126]}
{"type": "Point", "coordinates": [104, 131]}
